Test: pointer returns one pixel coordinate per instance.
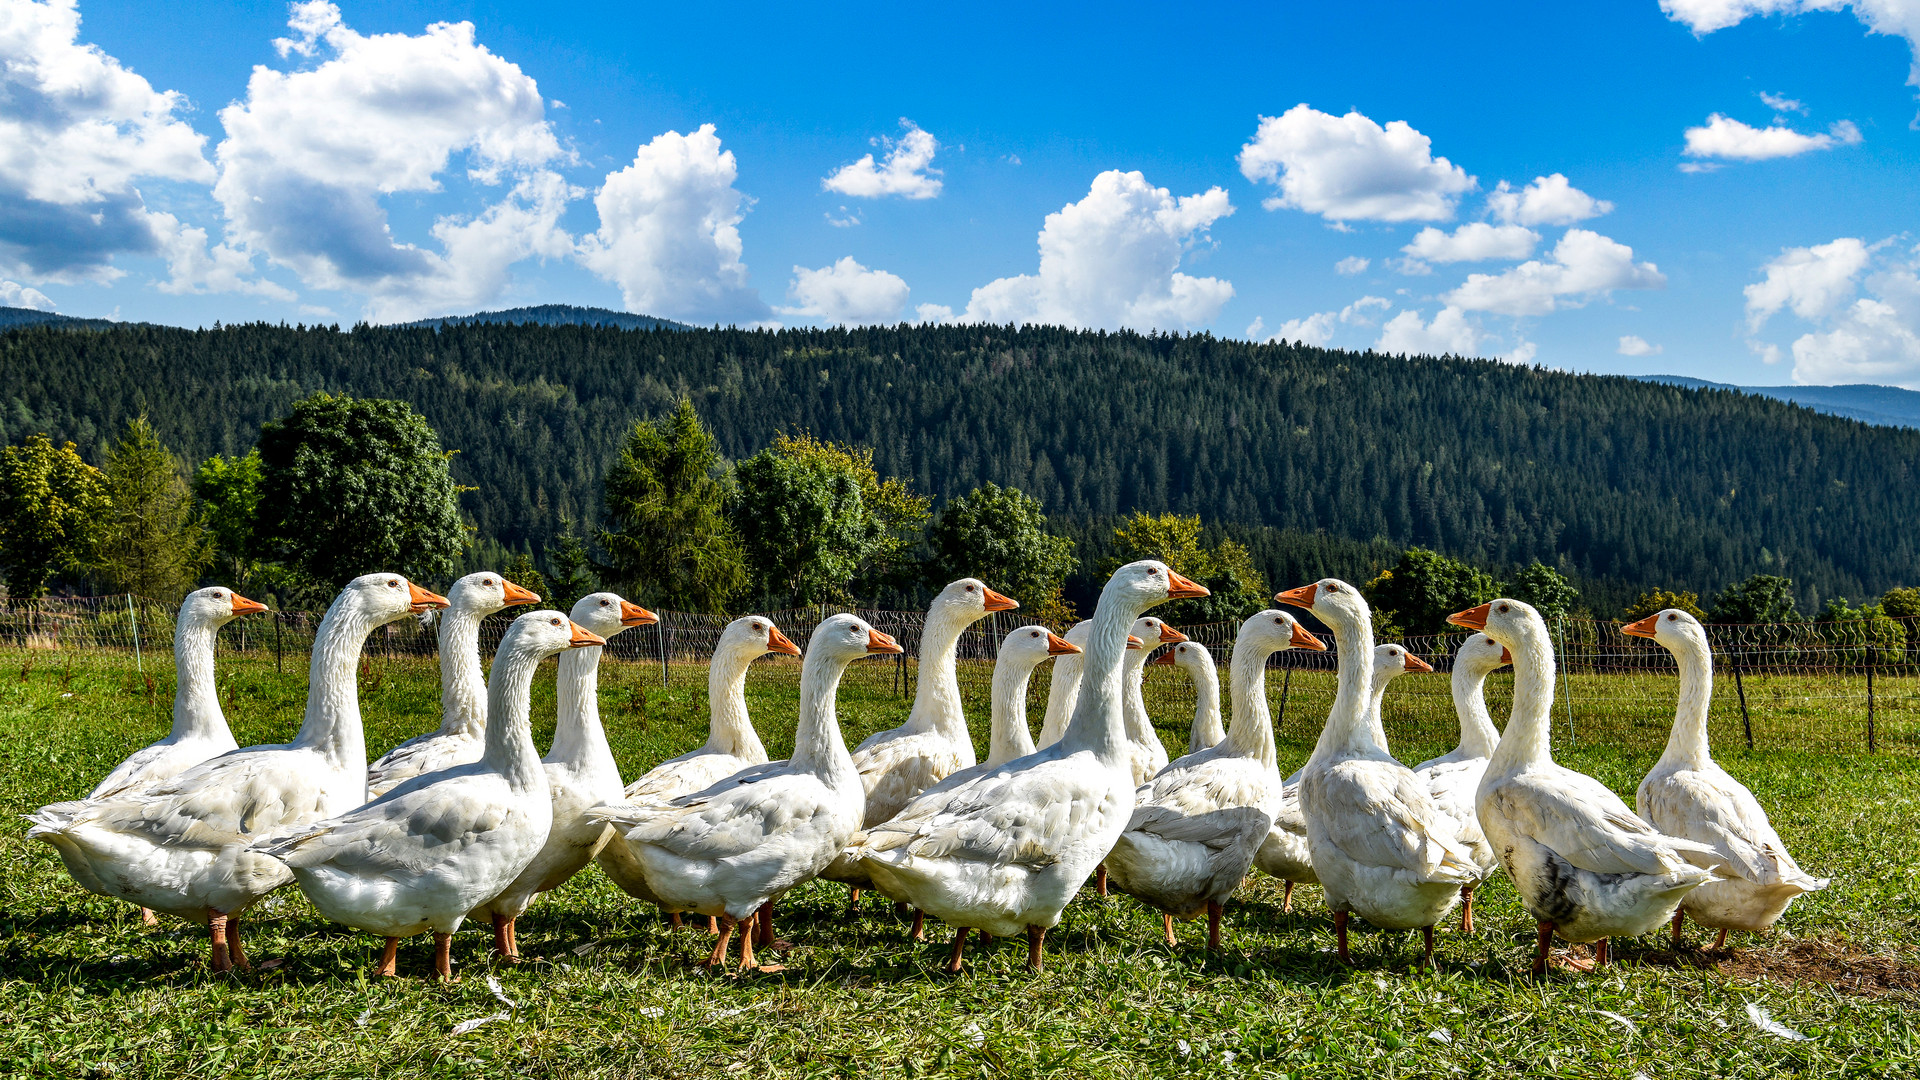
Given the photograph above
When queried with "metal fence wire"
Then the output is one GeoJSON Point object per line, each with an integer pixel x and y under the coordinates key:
{"type": "Point", "coordinates": [1812, 686]}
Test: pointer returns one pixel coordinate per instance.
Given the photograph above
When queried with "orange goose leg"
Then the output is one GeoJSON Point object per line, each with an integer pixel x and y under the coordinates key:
{"type": "Point", "coordinates": [442, 957]}
{"type": "Point", "coordinates": [959, 950]}
{"type": "Point", "coordinates": [389, 958]}
{"type": "Point", "coordinates": [1214, 911]}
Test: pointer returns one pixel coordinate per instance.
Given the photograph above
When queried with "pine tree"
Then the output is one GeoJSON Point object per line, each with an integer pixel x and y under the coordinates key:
{"type": "Point", "coordinates": [154, 543]}
{"type": "Point", "coordinates": [668, 540]}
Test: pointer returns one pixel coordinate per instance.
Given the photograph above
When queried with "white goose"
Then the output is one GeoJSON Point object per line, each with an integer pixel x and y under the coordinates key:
{"type": "Point", "coordinates": [1004, 851]}
{"type": "Point", "coordinates": [1380, 845]}
{"type": "Point", "coordinates": [180, 846]}
{"type": "Point", "coordinates": [1197, 661]}
{"type": "Point", "coordinates": [421, 856]}
{"type": "Point", "coordinates": [899, 763]}
{"type": "Point", "coordinates": [1064, 689]}
{"type": "Point", "coordinates": [733, 849]}
{"type": "Point", "coordinates": [1197, 825]}
{"type": "Point", "coordinates": [1585, 866]}
{"type": "Point", "coordinates": [581, 772]}
{"type": "Point", "coordinates": [463, 686]}
{"type": "Point", "coordinates": [1149, 753]}
{"type": "Point", "coordinates": [1453, 778]}
{"type": "Point", "coordinates": [199, 727]}
{"type": "Point", "coordinates": [1687, 794]}
{"type": "Point", "coordinates": [732, 744]}
{"type": "Point", "coordinates": [1020, 653]}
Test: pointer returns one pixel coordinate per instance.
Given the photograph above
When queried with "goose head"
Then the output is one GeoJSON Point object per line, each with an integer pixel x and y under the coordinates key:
{"type": "Point", "coordinates": [606, 614]}
{"type": "Point", "coordinates": [1512, 623]}
{"type": "Point", "coordinates": [216, 606]}
{"type": "Point", "coordinates": [1147, 583]}
{"type": "Point", "coordinates": [969, 599]}
{"type": "Point", "coordinates": [1031, 646]}
{"type": "Point", "coordinates": [1672, 628]}
{"type": "Point", "coordinates": [484, 592]}
{"type": "Point", "coordinates": [1479, 655]}
{"type": "Point", "coordinates": [382, 598]}
{"type": "Point", "coordinates": [1152, 633]}
{"type": "Point", "coordinates": [1333, 602]}
{"type": "Point", "coordinates": [752, 636]}
{"type": "Point", "coordinates": [1392, 661]}
{"type": "Point", "coordinates": [541, 634]}
{"type": "Point", "coordinates": [1267, 633]}
{"type": "Point", "coordinates": [843, 639]}
{"type": "Point", "coordinates": [1077, 633]}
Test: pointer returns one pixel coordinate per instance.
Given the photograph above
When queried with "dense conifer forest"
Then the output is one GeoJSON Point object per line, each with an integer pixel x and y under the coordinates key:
{"type": "Point", "coordinates": [1319, 460]}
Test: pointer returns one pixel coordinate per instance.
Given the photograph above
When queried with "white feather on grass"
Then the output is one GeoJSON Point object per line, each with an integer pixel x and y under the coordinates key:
{"type": "Point", "coordinates": [1765, 1022]}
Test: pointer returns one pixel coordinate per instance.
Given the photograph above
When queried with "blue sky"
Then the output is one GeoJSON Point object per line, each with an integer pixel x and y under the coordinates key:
{"type": "Point", "coordinates": [1720, 188]}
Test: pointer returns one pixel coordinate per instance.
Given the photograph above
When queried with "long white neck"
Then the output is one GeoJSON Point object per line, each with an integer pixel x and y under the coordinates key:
{"type": "Point", "coordinates": [578, 738]}
{"type": "Point", "coordinates": [936, 700]}
{"type": "Point", "coordinates": [1010, 737]}
{"type": "Point", "coordinates": [1687, 745]}
{"type": "Point", "coordinates": [509, 748]}
{"type": "Point", "coordinates": [463, 686]}
{"type": "Point", "coordinates": [1478, 736]}
{"type": "Point", "coordinates": [1348, 732]}
{"type": "Point", "coordinates": [1062, 693]}
{"type": "Point", "coordinates": [1251, 735]}
{"type": "Point", "coordinates": [817, 745]}
{"type": "Point", "coordinates": [1097, 724]}
{"type": "Point", "coordinates": [196, 698]}
{"type": "Point", "coordinates": [1139, 724]}
{"type": "Point", "coordinates": [332, 725]}
{"type": "Point", "coordinates": [1376, 727]}
{"type": "Point", "coordinates": [1206, 704]}
{"type": "Point", "coordinates": [730, 729]}
{"type": "Point", "coordinates": [1526, 740]}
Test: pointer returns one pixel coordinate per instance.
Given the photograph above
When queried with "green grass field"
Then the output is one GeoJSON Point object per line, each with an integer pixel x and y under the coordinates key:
{"type": "Point", "coordinates": [612, 992]}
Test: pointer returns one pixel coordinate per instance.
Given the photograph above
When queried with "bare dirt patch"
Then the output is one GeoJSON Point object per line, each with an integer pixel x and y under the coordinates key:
{"type": "Point", "coordinates": [1839, 964]}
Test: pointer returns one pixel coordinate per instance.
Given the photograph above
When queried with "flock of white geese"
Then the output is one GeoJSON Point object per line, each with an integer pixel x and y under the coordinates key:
{"type": "Point", "coordinates": [471, 821]}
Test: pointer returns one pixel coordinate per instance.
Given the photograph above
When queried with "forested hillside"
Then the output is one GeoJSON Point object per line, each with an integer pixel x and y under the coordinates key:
{"type": "Point", "coordinates": [1613, 479]}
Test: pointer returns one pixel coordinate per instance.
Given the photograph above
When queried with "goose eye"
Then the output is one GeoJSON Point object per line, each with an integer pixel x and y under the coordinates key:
{"type": "Point", "coordinates": [393, 584]}
{"type": "Point", "coordinates": [1036, 633]}
{"type": "Point", "coordinates": [553, 622]}
{"type": "Point", "coordinates": [969, 588]}
{"type": "Point", "coordinates": [1503, 609]}
{"type": "Point", "coordinates": [1673, 618]}
{"type": "Point", "coordinates": [488, 582]}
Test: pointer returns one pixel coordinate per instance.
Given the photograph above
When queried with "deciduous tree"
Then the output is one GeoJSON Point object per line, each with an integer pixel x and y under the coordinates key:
{"type": "Point", "coordinates": [1422, 589]}
{"type": "Point", "coordinates": [53, 508]}
{"type": "Point", "coordinates": [1000, 536]}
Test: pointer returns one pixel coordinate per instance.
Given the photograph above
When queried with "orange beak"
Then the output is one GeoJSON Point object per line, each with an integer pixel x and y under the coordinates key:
{"type": "Point", "coordinates": [1135, 643]}
{"type": "Point", "coordinates": [878, 642]}
{"type": "Point", "coordinates": [997, 602]}
{"type": "Point", "coordinates": [1165, 658]}
{"type": "Point", "coordinates": [1180, 588]}
{"type": "Point", "coordinates": [1472, 618]}
{"type": "Point", "coordinates": [1505, 656]}
{"type": "Point", "coordinates": [1644, 628]}
{"type": "Point", "coordinates": [1301, 597]}
{"type": "Point", "coordinates": [1170, 636]}
{"type": "Point", "coordinates": [421, 600]}
{"type": "Point", "coordinates": [583, 637]}
{"type": "Point", "coordinates": [517, 595]}
{"type": "Point", "coordinates": [1304, 640]}
{"type": "Point", "coordinates": [780, 643]}
{"type": "Point", "coordinates": [1059, 646]}
{"type": "Point", "coordinates": [244, 606]}
{"type": "Point", "coordinates": [1416, 664]}
{"type": "Point", "coordinates": [632, 614]}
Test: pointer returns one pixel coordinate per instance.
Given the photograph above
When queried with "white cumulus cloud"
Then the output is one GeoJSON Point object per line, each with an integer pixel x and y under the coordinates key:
{"type": "Point", "coordinates": [846, 294]}
{"type": "Point", "coordinates": [1894, 18]}
{"type": "Point", "coordinates": [310, 154]}
{"type": "Point", "coordinates": [669, 232]}
{"type": "Point", "coordinates": [1449, 332]}
{"type": "Point", "coordinates": [1634, 345]}
{"type": "Point", "coordinates": [1863, 303]}
{"type": "Point", "coordinates": [1811, 281]}
{"type": "Point", "coordinates": [1473, 242]}
{"type": "Point", "coordinates": [1349, 168]}
{"type": "Point", "coordinates": [14, 294]}
{"type": "Point", "coordinates": [1352, 264]}
{"type": "Point", "coordinates": [1728, 139]}
{"type": "Point", "coordinates": [1782, 103]}
{"type": "Point", "coordinates": [1584, 265]}
{"type": "Point", "coordinates": [1549, 200]}
{"type": "Point", "coordinates": [907, 170]}
{"type": "Point", "coordinates": [77, 133]}
{"type": "Point", "coordinates": [1111, 260]}
{"type": "Point", "coordinates": [1318, 328]}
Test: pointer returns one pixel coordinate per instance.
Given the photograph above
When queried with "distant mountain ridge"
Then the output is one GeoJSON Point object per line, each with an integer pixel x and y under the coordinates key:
{"type": "Point", "coordinates": [555, 315]}
{"type": "Point", "coordinates": [19, 316]}
{"type": "Point", "coordinates": [1887, 406]}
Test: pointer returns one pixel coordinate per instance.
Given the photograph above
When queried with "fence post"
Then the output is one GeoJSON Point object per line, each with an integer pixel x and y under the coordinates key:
{"type": "Point", "coordinates": [1872, 655]}
{"type": "Point", "coordinates": [660, 635]}
{"type": "Point", "coordinates": [141, 665]}
{"type": "Point", "coordinates": [1746, 721]}
{"type": "Point", "coordinates": [278, 668]}
{"type": "Point", "coordinates": [1286, 684]}
{"type": "Point", "coordinates": [1566, 677]}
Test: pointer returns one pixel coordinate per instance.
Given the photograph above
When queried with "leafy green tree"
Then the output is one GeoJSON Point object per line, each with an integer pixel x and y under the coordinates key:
{"type": "Point", "coordinates": [1226, 569]}
{"type": "Point", "coordinates": [1000, 536]}
{"type": "Point", "coordinates": [154, 543]}
{"type": "Point", "coordinates": [229, 488]}
{"type": "Point", "coordinates": [1657, 600]}
{"type": "Point", "coordinates": [1540, 585]}
{"type": "Point", "coordinates": [53, 508]}
{"type": "Point", "coordinates": [522, 572]}
{"type": "Point", "coordinates": [349, 486]}
{"type": "Point", "coordinates": [1762, 598]}
{"type": "Point", "coordinates": [1422, 589]}
{"type": "Point", "coordinates": [668, 541]}
{"type": "Point", "coordinates": [816, 517]}
{"type": "Point", "coordinates": [1903, 603]}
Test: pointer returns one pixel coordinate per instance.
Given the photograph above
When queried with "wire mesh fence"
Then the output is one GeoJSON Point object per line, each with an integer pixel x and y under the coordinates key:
{"type": "Point", "coordinates": [1831, 687]}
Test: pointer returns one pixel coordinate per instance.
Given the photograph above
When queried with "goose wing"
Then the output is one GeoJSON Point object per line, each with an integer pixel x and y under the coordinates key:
{"type": "Point", "coordinates": [1720, 811]}
{"type": "Point", "coordinates": [895, 769]}
{"type": "Point", "coordinates": [1585, 823]}
{"type": "Point", "coordinates": [1006, 817]}
{"type": "Point", "coordinates": [1380, 814]}
{"type": "Point", "coordinates": [216, 802]}
{"type": "Point", "coordinates": [731, 818]}
{"type": "Point", "coordinates": [410, 831]}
